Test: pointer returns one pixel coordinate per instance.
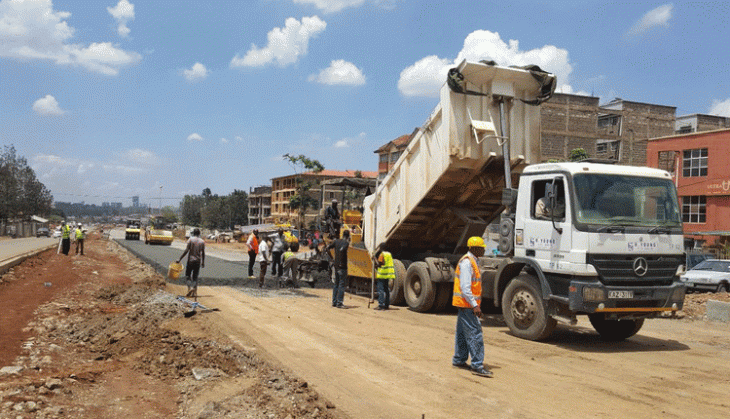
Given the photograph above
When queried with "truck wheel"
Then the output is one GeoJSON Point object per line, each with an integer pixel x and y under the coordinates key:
{"type": "Point", "coordinates": [444, 295]}
{"type": "Point", "coordinates": [524, 310]}
{"type": "Point", "coordinates": [614, 329]}
{"type": "Point", "coordinates": [419, 290]}
{"type": "Point", "coordinates": [396, 285]}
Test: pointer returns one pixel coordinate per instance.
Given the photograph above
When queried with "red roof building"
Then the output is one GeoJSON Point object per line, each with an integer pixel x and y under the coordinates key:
{"type": "Point", "coordinates": [390, 152]}
{"type": "Point", "coordinates": [700, 164]}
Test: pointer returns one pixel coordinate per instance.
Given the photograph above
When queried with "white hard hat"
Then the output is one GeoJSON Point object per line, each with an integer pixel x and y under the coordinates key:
{"type": "Point", "coordinates": [79, 224]}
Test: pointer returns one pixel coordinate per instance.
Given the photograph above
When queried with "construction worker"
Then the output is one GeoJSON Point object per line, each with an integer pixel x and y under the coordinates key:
{"type": "Point", "coordinates": [340, 247]}
{"type": "Point", "coordinates": [65, 238]}
{"type": "Point", "coordinates": [291, 265]}
{"type": "Point", "coordinates": [80, 236]}
{"type": "Point", "coordinates": [253, 248]}
{"type": "Point", "coordinates": [332, 218]}
{"type": "Point", "coordinates": [385, 274]}
{"type": "Point", "coordinates": [467, 298]}
{"type": "Point", "coordinates": [195, 250]}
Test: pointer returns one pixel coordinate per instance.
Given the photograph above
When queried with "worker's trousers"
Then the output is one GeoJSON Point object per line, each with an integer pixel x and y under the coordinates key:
{"type": "Point", "coordinates": [469, 339]}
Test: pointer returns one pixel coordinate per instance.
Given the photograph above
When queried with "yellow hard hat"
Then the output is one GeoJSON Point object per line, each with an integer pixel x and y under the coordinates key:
{"type": "Point", "coordinates": [475, 241]}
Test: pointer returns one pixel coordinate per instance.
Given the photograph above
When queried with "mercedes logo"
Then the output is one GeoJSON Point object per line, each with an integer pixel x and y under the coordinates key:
{"type": "Point", "coordinates": [640, 266]}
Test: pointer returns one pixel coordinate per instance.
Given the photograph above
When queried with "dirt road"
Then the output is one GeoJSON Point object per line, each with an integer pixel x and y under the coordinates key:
{"type": "Point", "coordinates": [396, 364]}
{"type": "Point", "coordinates": [94, 344]}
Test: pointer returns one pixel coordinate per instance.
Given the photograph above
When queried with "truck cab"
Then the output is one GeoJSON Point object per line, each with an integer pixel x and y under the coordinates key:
{"type": "Point", "coordinates": [593, 239]}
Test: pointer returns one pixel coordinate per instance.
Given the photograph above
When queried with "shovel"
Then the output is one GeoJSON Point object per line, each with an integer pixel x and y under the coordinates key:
{"type": "Point", "coordinates": [194, 305]}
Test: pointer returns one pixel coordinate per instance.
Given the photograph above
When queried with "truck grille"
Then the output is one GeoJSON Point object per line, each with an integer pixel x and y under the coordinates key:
{"type": "Point", "coordinates": [619, 269]}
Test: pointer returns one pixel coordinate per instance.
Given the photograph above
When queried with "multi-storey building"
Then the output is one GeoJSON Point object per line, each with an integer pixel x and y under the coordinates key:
{"type": "Point", "coordinates": [283, 188]}
{"type": "Point", "coordinates": [699, 164]}
{"type": "Point", "coordinates": [259, 205]}
{"type": "Point", "coordinates": [389, 153]}
{"type": "Point", "coordinates": [699, 122]}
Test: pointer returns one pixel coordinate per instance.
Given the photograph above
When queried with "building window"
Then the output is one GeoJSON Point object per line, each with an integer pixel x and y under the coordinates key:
{"type": "Point", "coordinates": [693, 209]}
{"type": "Point", "coordinates": [610, 149]}
{"type": "Point", "coordinates": [685, 129]}
{"type": "Point", "coordinates": [384, 158]}
{"type": "Point", "coordinates": [694, 163]}
{"type": "Point", "coordinates": [394, 156]}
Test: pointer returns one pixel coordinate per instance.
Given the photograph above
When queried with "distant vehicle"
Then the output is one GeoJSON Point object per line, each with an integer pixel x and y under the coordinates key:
{"type": "Point", "coordinates": [57, 233]}
{"type": "Point", "coordinates": [709, 275]}
{"type": "Point", "coordinates": [43, 232]}
{"type": "Point", "coordinates": [158, 232]}
{"type": "Point", "coordinates": [133, 230]}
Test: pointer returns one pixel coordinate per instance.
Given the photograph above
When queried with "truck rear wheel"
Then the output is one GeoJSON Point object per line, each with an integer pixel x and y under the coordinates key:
{"type": "Point", "coordinates": [614, 329]}
{"type": "Point", "coordinates": [444, 295]}
{"type": "Point", "coordinates": [419, 290]}
{"type": "Point", "coordinates": [396, 285]}
{"type": "Point", "coordinates": [524, 310]}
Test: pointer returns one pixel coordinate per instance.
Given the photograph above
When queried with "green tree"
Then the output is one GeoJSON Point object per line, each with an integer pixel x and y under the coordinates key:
{"type": "Point", "coordinates": [237, 203]}
{"type": "Point", "coordinates": [191, 206]}
{"type": "Point", "coordinates": [168, 215]}
{"type": "Point", "coordinates": [578, 154]}
{"type": "Point", "coordinates": [301, 200]}
{"type": "Point", "coordinates": [21, 193]}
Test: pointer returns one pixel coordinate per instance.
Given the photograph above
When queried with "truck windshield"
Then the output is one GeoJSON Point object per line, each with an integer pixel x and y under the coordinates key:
{"type": "Point", "coordinates": [626, 200]}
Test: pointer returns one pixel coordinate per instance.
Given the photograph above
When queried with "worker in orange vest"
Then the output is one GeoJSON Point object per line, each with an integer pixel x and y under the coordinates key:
{"type": "Point", "coordinates": [467, 299]}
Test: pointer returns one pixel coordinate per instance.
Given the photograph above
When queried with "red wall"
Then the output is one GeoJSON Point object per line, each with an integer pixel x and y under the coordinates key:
{"type": "Point", "coordinates": [715, 186]}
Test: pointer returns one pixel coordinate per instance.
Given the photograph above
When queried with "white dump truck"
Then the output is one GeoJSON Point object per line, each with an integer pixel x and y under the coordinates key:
{"type": "Point", "coordinates": [574, 238]}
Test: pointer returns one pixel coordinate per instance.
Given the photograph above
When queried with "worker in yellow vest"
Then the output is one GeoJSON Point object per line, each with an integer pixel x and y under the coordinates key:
{"type": "Point", "coordinates": [467, 299]}
{"type": "Point", "coordinates": [65, 238]}
{"type": "Point", "coordinates": [80, 236]}
{"type": "Point", "coordinates": [385, 274]}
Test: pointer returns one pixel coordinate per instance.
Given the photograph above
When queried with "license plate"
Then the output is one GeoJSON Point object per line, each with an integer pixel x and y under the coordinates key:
{"type": "Point", "coordinates": [620, 294]}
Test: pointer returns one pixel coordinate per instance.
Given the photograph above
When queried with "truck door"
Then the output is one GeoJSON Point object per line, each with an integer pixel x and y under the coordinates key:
{"type": "Point", "coordinates": [547, 232]}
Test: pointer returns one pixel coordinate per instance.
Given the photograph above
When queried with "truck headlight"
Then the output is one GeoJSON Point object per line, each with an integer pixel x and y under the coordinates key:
{"type": "Point", "coordinates": [594, 294]}
{"type": "Point", "coordinates": [681, 269]}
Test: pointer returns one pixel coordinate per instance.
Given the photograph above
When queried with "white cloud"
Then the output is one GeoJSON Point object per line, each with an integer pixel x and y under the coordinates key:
{"type": "Point", "coordinates": [196, 73]}
{"type": "Point", "coordinates": [340, 72]}
{"type": "Point", "coordinates": [349, 142]}
{"type": "Point", "coordinates": [426, 76]}
{"type": "Point", "coordinates": [285, 45]}
{"type": "Point", "coordinates": [33, 30]}
{"type": "Point", "coordinates": [655, 17]}
{"type": "Point", "coordinates": [720, 108]}
{"type": "Point", "coordinates": [224, 140]}
{"type": "Point", "coordinates": [238, 138]}
{"type": "Point", "coordinates": [123, 169]}
{"type": "Point", "coordinates": [47, 105]}
{"type": "Point", "coordinates": [123, 12]}
{"type": "Point", "coordinates": [52, 159]}
{"type": "Point", "coordinates": [195, 137]}
{"type": "Point", "coordinates": [332, 6]}
{"type": "Point", "coordinates": [141, 156]}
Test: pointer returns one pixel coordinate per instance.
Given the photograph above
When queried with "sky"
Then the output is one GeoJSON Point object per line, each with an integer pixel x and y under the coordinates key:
{"type": "Point", "coordinates": [109, 99]}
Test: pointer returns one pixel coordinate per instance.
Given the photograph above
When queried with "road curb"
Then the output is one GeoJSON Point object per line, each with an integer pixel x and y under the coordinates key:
{"type": "Point", "coordinates": [8, 264]}
{"type": "Point", "coordinates": [718, 311]}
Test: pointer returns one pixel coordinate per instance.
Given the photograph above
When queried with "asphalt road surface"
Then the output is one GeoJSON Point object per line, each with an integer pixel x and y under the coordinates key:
{"type": "Point", "coordinates": [221, 268]}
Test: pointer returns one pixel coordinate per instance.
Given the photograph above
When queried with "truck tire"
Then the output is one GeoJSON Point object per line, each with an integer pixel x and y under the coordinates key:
{"type": "Point", "coordinates": [419, 291]}
{"type": "Point", "coordinates": [524, 310]}
{"type": "Point", "coordinates": [396, 285]}
{"type": "Point", "coordinates": [444, 295]}
{"type": "Point", "coordinates": [723, 287]}
{"type": "Point", "coordinates": [614, 330]}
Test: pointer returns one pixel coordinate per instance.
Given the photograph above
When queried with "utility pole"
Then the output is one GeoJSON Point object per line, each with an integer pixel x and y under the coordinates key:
{"type": "Point", "coordinates": [160, 200]}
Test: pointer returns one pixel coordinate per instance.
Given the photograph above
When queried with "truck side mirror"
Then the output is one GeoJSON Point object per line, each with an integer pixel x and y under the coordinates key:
{"type": "Point", "coordinates": [552, 195]}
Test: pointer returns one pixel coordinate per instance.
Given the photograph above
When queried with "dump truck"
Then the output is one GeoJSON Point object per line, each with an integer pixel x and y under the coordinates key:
{"type": "Point", "coordinates": [611, 246]}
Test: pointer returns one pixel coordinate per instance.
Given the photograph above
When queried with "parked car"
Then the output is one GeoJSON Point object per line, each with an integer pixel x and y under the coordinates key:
{"type": "Point", "coordinates": [709, 275]}
{"type": "Point", "coordinates": [57, 233]}
{"type": "Point", "coordinates": [43, 232]}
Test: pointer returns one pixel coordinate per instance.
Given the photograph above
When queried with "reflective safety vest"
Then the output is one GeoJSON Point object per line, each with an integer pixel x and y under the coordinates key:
{"type": "Point", "coordinates": [79, 234]}
{"type": "Point", "coordinates": [476, 285]}
{"type": "Point", "coordinates": [66, 232]}
{"type": "Point", "coordinates": [287, 255]}
{"type": "Point", "coordinates": [386, 270]}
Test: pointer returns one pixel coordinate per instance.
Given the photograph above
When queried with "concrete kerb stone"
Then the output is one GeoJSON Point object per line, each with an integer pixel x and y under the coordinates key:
{"type": "Point", "coordinates": [7, 264]}
{"type": "Point", "coordinates": [718, 311]}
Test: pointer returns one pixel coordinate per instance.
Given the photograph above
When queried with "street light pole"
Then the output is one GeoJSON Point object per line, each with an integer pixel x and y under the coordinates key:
{"type": "Point", "coordinates": [160, 200]}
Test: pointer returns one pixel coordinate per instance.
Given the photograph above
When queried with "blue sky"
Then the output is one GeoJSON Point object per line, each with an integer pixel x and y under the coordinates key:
{"type": "Point", "coordinates": [111, 99]}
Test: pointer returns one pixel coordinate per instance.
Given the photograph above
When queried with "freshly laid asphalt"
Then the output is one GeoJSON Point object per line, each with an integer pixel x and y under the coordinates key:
{"type": "Point", "coordinates": [217, 271]}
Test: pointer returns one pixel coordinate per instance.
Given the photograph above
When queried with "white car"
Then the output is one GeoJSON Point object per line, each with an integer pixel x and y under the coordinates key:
{"type": "Point", "coordinates": [709, 275]}
{"type": "Point", "coordinates": [56, 233]}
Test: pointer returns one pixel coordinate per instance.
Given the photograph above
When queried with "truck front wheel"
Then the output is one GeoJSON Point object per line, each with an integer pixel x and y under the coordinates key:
{"type": "Point", "coordinates": [614, 329]}
{"type": "Point", "coordinates": [524, 309]}
{"type": "Point", "coordinates": [419, 290]}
